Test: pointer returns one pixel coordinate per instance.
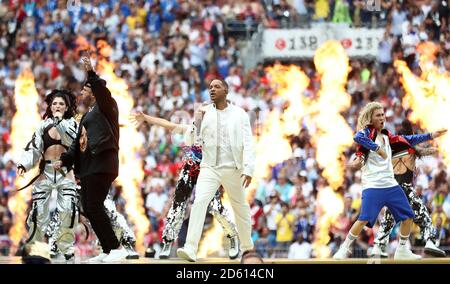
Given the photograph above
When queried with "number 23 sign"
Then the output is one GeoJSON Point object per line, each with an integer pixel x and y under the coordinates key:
{"type": "Point", "coordinates": [302, 43]}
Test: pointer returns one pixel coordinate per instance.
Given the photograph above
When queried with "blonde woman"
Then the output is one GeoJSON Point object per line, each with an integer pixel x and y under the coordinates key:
{"type": "Point", "coordinates": [404, 167]}
{"type": "Point", "coordinates": [379, 187]}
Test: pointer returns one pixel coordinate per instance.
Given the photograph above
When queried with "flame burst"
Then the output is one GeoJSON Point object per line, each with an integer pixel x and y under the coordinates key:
{"type": "Point", "coordinates": [329, 206]}
{"type": "Point", "coordinates": [427, 95]}
{"type": "Point", "coordinates": [333, 136]}
{"type": "Point", "coordinates": [266, 157]}
{"type": "Point", "coordinates": [289, 82]}
{"type": "Point", "coordinates": [82, 44]}
{"type": "Point", "coordinates": [212, 241]}
{"type": "Point", "coordinates": [130, 170]}
{"type": "Point", "coordinates": [25, 122]}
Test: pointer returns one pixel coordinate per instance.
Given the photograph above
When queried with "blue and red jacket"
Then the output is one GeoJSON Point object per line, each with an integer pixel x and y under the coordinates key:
{"type": "Point", "coordinates": [366, 137]}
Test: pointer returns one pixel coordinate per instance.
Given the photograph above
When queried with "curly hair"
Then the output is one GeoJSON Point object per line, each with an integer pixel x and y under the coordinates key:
{"type": "Point", "coordinates": [68, 97]}
{"type": "Point", "coordinates": [365, 116]}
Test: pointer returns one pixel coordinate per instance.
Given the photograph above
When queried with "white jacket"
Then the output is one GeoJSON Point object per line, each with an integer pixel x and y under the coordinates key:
{"type": "Point", "coordinates": [34, 150]}
{"type": "Point", "coordinates": [240, 135]}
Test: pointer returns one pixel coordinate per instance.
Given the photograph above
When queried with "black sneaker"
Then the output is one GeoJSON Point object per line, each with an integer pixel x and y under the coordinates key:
{"type": "Point", "coordinates": [70, 256]}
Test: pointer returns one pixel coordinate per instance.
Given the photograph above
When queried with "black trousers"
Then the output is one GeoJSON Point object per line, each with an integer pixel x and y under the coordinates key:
{"type": "Point", "coordinates": [94, 189]}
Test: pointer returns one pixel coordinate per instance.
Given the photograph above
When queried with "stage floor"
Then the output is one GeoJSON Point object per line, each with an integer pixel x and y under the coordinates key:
{"type": "Point", "coordinates": [144, 260]}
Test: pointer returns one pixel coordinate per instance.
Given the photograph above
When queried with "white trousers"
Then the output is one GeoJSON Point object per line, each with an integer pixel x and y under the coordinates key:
{"type": "Point", "coordinates": [208, 181]}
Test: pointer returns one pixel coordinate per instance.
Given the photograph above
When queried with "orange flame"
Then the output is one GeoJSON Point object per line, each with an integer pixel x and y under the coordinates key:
{"type": "Point", "coordinates": [427, 95]}
{"type": "Point", "coordinates": [333, 136]}
{"type": "Point", "coordinates": [104, 48]}
{"type": "Point", "coordinates": [289, 82]}
{"type": "Point", "coordinates": [212, 242]}
{"type": "Point", "coordinates": [329, 206]}
{"type": "Point", "coordinates": [427, 51]}
{"type": "Point", "coordinates": [130, 170]}
{"type": "Point", "coordinates": [83, 44]}
{"type": "Point", "coordinates": [25, 122]}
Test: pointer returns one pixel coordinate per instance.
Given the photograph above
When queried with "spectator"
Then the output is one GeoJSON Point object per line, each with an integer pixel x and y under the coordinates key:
{"type": "Point", "coordinates": [284, 188]}
{"type": "Point", "coordinates": [341, 12]}
{"type": "Point", "coordinates": [285, 223]}
{"type": "Point", "coordinates": [271, 210]}
{"type": "Point", "coordinates": [301, 249]}
{"type": "Point", "coordinates": [250, 257]}
{"type": "Point", "coordinates": [442, 233]}
{"type": "Point", "coordinates": [322, 10]}
{"type": "Point", "coordinates": [155, 203]}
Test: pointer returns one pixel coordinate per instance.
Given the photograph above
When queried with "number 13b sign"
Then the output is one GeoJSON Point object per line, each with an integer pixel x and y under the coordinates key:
{"type": "Point", "coordinates": [302, 43]}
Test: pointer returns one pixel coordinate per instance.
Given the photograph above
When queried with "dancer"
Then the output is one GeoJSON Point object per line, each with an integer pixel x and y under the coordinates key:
{"type": "Point", "coordinates": [123, 232]}
{"type": "Point", "coordinates": [404, 167]}
{"type": "Point", "coordinates": [52, 138]}
{"type": "Point", "coordinates": [228, 159]}
{"type": "Point", "coordinates": [94, 153]}
{"type": "Point", "coordinates": [378, 183]}
{"type": "Point", "coordinates": [185, 185]}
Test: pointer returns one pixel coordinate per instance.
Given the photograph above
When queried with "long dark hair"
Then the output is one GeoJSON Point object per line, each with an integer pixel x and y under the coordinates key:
{"type": "Point", "coordinates": [407, 128]}
{"type": "Point", "coordinates": [68, 97]}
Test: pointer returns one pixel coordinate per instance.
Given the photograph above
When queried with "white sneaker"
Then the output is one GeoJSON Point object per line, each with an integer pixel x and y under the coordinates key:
{"type": "Point", "coordinates": [98, 258]}
{"type": "Point", "coordinates": [165, 252]}
{"type": "Point", "coordinates": [342, 253]}
{"type": "Point", "coordinates": [377, 251]}
{"type": "Point", "coordinates": [402, 252]}
{"type": "Point", "coordinates": [56, 256]}
{"type": "Point", "coordinates": [233, 251]}
{"type": "Point", "coordinates": [132, 254]}
{"type": "Point", "coordinates": [186, 254]}
{"type": "Point", "coordinates": [432, 249]}
{"type": "Point", "coordinates": [116, 255]}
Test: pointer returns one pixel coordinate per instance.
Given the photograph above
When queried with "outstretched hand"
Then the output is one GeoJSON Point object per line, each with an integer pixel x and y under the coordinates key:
{"type": "Point", "coordinates": [439, 133]}
{"type": "Point", "coordinates": [87, 61]}
{"type": "Point", "coordinates": [137, 118]}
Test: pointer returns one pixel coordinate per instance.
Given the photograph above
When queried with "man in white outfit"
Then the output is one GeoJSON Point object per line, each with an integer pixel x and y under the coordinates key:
{"type": "Point", "coordinates": [228, 160]}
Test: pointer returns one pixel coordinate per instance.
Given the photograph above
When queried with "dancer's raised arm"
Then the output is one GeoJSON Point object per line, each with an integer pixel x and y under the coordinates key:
{"type": "Point", "coordinates": [140, 117]}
